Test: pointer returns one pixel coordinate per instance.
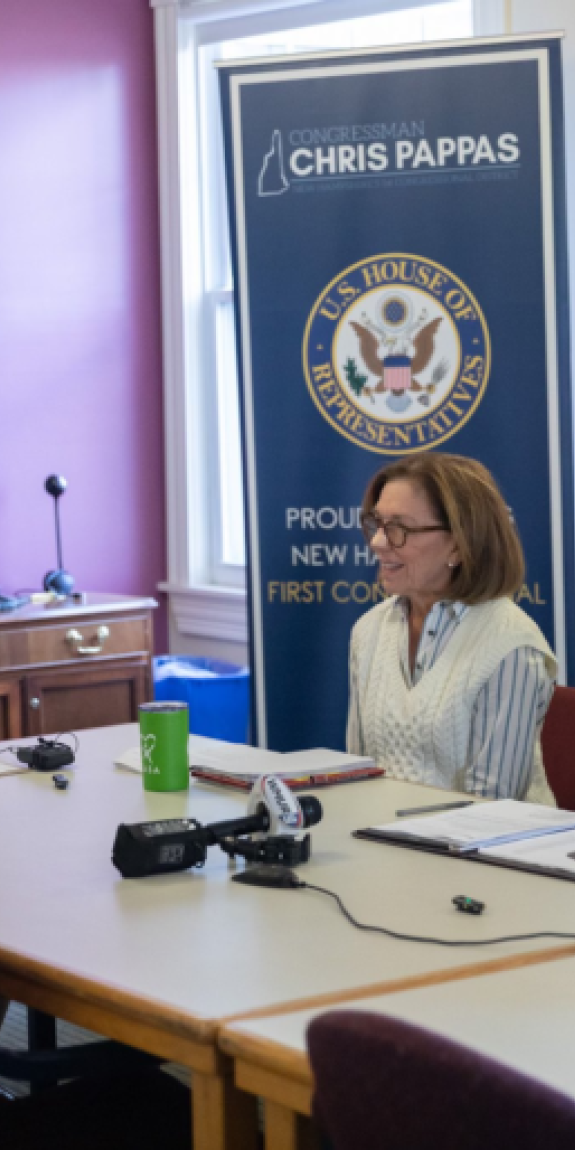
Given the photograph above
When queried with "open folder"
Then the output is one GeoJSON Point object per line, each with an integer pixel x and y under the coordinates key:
{"type": "Point", "coordinates": [509, 833]}
{"type": "Point", "coordinates": [238, 765]}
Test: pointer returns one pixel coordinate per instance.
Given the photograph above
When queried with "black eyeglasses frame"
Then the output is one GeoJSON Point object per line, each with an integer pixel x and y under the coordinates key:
{"type": "Point", "coordinates": [368, 518]}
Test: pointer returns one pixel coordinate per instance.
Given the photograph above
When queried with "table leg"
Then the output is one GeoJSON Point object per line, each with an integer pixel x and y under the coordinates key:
{"type": "Point", "coordinates": [287, 1130]}
{"type": "Point", "coordinates": [224, 1118]}
{"type": "Point", "coordinates": [280, 1127]}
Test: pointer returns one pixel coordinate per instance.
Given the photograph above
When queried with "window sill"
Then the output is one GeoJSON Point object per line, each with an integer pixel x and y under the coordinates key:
{"type": "Point", "coordinates": [209, 612]}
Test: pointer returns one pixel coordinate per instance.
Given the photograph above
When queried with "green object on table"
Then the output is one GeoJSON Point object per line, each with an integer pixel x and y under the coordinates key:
{"type": "Point", "coordinates": [164, 746]}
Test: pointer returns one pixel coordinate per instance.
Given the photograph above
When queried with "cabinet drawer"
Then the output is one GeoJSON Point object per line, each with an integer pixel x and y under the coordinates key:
{"type": "Point", "coordinates": [53, 643]}
{"type": "Point", "coordinates": [73, 698]}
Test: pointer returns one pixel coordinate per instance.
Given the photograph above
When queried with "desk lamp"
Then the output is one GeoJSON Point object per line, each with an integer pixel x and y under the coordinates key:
{"type": "Point", "coordinates": [59, 581]}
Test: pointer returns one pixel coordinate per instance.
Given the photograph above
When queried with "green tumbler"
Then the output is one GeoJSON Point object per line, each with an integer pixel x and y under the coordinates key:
{"type": "Point", "coordinates": [164, 746]}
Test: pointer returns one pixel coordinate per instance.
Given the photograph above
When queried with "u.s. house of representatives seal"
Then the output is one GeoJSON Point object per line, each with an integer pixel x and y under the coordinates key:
{"type": "Point", "coordinates": [396, 353]}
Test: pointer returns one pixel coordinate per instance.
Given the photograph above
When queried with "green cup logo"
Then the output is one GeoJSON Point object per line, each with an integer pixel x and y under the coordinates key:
{"type": "Point", "coordinates": [164, 746]}
{"type": "Point", "coordinates": [148, 743]}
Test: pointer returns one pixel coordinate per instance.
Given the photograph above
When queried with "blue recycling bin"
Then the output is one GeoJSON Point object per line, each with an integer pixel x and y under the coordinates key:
{"type": "Point", "coordinates": [217, 694]}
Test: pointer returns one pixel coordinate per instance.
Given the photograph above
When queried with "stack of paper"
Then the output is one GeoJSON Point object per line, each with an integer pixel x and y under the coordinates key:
{"type": "Point", "coordinates": [524, 835]}
{"type": "Point", "coordinates": [486, 824]}
{"type": "Point", "coordinates": [237, 765]}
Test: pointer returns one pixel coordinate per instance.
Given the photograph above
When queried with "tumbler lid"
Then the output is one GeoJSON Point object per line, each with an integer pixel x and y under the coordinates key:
{"type": "Point", "coordinates": [163, 708]}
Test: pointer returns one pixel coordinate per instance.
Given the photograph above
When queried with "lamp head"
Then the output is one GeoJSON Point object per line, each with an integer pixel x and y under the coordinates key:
{"type": "Point", "coordinates": [55, 485]}
{"type": "Point", "coordinates": [60, 582]}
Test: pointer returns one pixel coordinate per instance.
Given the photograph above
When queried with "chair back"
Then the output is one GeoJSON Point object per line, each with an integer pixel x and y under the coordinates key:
{"type": "Point", "coordinates": [380, 1082]}
{"type": "Point", "coordinates": [558, 746]}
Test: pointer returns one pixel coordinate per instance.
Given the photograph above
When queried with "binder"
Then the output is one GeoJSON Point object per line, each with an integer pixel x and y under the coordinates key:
{"type": "Point", "coordinates": [519, 836]}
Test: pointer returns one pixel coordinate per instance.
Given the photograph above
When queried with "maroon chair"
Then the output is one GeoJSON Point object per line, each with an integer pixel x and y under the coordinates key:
{"type": "Point", "coordinates": [383, 1083]}
{"type": "Point", "coordinates": [558, 745]}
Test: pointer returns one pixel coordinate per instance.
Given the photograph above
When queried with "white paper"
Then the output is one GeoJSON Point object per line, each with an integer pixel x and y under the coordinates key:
{"type": "Point", "coordinates": [233, 758]}
{"type": "Point", "coordinates": [130, 760]}
{"type": "Point", "coordinates": [215, 754]}
{"type": "Point", "coordinates": [485, 823]}
{"type": "Point", "coordinates": [244, 762]}
{"type": "Point", "coordinates": [12, 769]}
{"type": "Point", "coordinates": [551, 852]}
{"type": "Point", "coordinates": [321, 761]}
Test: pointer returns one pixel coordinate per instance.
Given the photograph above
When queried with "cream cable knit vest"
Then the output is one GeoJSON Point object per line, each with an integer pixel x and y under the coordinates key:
{"type": "Point", "coordinates": [422, 733]}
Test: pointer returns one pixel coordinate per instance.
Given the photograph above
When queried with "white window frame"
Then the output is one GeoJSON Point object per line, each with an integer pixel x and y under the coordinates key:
{"type": "Point", "coordinates": [200, 608]}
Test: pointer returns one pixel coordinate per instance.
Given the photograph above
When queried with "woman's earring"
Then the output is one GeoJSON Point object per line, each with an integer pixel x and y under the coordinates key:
{"type": "Point", "coordinates": [452, 565]}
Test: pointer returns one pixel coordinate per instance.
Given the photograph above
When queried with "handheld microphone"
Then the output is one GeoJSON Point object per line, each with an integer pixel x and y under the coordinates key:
{"type": "Point", "coordinates": [271, 799]}
{"type": "Point", "coordinates": [275, 815]}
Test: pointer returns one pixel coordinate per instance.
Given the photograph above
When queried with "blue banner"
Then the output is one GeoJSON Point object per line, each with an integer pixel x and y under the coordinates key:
{"type": "Point", "coordinates": [399, 242]}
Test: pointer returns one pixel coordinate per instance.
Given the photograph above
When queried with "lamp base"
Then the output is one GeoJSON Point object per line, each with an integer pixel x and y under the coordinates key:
{"type": "Point", "coordinates": [61, 582]}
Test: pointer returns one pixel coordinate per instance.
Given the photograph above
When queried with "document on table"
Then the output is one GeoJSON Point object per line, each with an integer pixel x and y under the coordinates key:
{"type": "Point", "coordinates": [486, 824]}
{"type": "Point", "coordinates": [233, 759]}
{"type": "Point", "coordinates": [553, 853]}
{"type": "Point", "coordinates": [15, 768]}
{"type": "Point", "coordinates": [507, 831]}
{"type": "Point", "coordinates": [239, 765]}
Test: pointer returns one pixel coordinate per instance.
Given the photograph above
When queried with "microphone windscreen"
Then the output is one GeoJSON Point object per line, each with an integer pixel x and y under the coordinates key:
{"type": "Point", "coordinates": [312, 810]}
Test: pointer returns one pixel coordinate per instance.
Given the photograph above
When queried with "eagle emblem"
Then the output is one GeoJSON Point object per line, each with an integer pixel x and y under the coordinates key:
{"type": "Point", "coordinates": [396, 353]}
{"type": "Point", "coordinates": [396, 349]}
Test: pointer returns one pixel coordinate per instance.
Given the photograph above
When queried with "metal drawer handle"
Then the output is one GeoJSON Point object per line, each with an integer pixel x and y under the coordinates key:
{"type": "Point", "coordinates": [76, 638]}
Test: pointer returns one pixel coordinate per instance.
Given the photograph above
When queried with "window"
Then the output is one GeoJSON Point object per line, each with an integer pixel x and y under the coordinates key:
{"type": "Point", "coordinates": [205, 521]}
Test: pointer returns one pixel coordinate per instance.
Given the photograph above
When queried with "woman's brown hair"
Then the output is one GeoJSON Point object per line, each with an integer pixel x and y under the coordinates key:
{"type": "Point", "coordinates": [466, 498]}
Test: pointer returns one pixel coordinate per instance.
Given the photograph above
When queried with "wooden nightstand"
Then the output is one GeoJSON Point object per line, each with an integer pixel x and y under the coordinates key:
{"type": "Point", "coordinates": [72, 666]}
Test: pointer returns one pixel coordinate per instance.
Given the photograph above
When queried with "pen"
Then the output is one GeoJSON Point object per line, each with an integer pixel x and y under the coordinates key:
{"type": "Point", "coordinates": [439, 807]}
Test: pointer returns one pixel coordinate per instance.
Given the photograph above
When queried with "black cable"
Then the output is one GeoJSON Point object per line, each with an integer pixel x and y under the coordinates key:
{"type": "Point", "coordinates": [74, 736]}
{"type": "Point", "coordinates": [418, 938]}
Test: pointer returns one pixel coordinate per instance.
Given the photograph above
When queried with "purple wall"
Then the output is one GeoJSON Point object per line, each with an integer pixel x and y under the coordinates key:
{"type": "Point", "coordinates": [80, 338]}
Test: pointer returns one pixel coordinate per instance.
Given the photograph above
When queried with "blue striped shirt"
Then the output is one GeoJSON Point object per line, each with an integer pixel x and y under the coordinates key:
{"type": "Point", "coordinates": [508, 712]}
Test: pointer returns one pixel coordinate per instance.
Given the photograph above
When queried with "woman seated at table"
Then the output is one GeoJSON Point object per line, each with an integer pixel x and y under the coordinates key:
{"type": "Point", "coordinates": [449, 679]}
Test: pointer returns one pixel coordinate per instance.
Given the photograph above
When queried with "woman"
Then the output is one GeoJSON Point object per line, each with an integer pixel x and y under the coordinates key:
{"type": "Point", "coordinates": [449, 680]}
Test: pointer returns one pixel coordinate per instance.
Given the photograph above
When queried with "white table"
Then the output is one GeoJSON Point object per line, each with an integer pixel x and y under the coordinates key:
{"type": "Point", "coordinates": [523, 1017]}
{"type": "Point", "coordinates": [163, 962]}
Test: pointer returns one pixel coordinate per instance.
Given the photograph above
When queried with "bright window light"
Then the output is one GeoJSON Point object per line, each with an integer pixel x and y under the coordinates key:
{"type": "Point", "coordinates": [218, 379]}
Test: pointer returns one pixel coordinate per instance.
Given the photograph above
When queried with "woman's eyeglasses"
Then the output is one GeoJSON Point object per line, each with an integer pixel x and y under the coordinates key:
{"type": "Point", "coordinates": [395, 533]}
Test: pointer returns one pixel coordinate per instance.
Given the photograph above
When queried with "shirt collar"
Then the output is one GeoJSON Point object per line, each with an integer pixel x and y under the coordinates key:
{"type": "Point", "coordinates": [454, 608]}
